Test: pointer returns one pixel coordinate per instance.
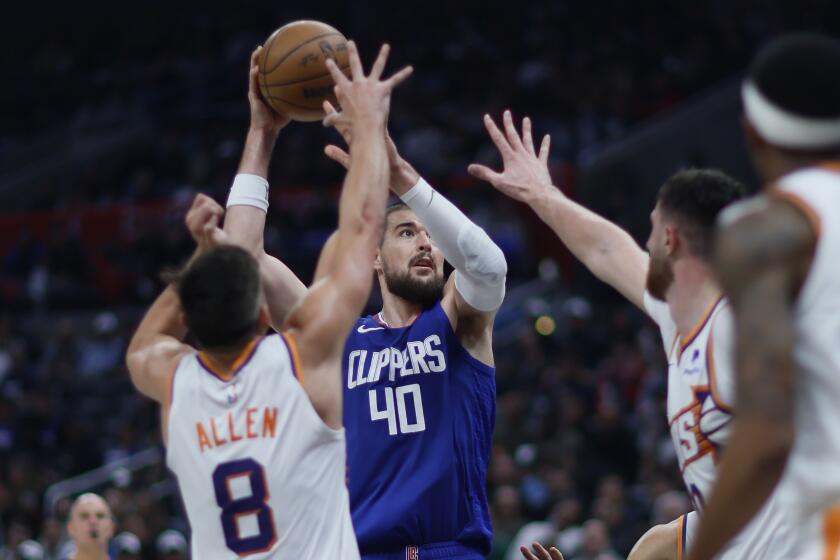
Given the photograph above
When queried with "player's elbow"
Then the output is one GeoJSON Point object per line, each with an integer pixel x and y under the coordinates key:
{"type": "Point", "coordinates": [484, 260]}
{"type": "Point", "coordinates": [134, 360]}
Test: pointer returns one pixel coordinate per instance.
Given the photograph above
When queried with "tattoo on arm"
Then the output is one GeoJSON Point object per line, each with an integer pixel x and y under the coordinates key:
{"type": "Point", "coordinates": [761, 260]}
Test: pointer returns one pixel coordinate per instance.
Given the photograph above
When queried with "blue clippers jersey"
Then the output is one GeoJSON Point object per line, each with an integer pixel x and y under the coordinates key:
{"type": "Point", "coordinates": [419, 414]}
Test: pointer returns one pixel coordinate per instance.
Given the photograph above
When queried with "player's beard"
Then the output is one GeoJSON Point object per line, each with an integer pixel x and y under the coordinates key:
{"type": "Point", "coordinates": [424, 292]}
{"type": "Point", "coordinates": [660, 276]}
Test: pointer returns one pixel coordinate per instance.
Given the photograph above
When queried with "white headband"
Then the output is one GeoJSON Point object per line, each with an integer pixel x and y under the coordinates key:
{"type": "Point", "coordinates": [784, 129]}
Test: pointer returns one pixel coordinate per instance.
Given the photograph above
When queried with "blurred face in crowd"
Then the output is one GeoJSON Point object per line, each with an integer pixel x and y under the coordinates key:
{"type": "Point", "coordinates": [660, 247]}
{"type": "Point", "coordinates": [410, 264]}
{"type": "Point", "coordinates": [91, 522]}
{"type": "Point", "coordinates": [596, 539]}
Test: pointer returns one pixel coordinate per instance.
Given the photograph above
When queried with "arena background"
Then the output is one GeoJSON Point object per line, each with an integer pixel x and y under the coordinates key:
{"type": "Point", "coordinates": [115, 115]}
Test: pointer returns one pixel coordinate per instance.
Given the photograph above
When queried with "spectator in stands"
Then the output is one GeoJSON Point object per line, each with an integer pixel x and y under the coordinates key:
{"type": "Point", "coordinates": [91, 526]}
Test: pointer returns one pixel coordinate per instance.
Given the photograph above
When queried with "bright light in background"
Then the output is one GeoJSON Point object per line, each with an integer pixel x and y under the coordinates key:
{"type": "Point", "coordinates": [545, 325]}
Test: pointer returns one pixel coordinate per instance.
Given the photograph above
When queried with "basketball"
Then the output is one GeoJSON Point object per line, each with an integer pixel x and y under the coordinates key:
{"type": "Point", "coordinates": [293, 76]}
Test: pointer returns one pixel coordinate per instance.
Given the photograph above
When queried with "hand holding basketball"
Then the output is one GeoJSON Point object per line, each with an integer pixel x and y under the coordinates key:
{"type": "Point", "coordinates": [365, 100]}
{"type": "Point", "coordinates": [263, 117]}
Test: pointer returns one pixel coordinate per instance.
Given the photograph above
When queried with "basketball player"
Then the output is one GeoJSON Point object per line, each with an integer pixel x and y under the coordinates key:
{"type": "Point", "coordinates": [778, 258]}
{"type": "Point", "coordinates": [90, 526]}
{"type": "Point", "coordinates": [673, 283]}
{"type": "Point", "coordinates": [253, 423]}
{"type": "Point", "coordinates": [418, 377]}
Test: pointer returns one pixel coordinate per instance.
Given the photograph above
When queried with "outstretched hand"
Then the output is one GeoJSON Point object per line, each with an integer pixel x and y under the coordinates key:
{"type": "Point", "coordinates": [365, 99]}
{"type": "Point", "coordinates": [403, 175]}
{"type": "Point", "coordinates": [263, 117]}
{"type": "Point", "coordinates": [203, 223]}
{"type": "Point", "coordinates": [525, 171]}
{"type": "Point", "coordinates": [540, 553]}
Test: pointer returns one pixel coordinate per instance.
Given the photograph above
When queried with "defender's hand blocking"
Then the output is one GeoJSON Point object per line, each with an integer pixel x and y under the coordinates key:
{"type": "Point", "coordinates": [263, 117]}
{"type": "Point", "coordinates": [365, 100]}
{"type": "Point", "coordinates": [540, 553]}
{"type": "Point", "coordinates": [403, 175]}
{"type": "Point", "coordinates": [525, 172]}
{"type": "Point", "coordinates": [203, 222]}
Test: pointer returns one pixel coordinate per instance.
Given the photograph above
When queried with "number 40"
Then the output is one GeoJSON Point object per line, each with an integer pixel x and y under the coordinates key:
{"type": "Point", "coordinates": [392, 416]}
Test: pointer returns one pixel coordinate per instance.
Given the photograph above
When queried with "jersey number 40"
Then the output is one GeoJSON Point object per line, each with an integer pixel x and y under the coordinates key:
{"type": "Point", "coordinates": [401, 415]}
{"type": "Point", "coordinates": [255, 503]}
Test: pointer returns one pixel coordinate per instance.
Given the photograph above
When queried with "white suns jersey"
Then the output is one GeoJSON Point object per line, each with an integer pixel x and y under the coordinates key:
{"type": "Point", "coordinates": [701, 389]}
{"type": "Point", "coordinates": [260, 474]}
{"type": "Point", "coordinates": [812, 479]}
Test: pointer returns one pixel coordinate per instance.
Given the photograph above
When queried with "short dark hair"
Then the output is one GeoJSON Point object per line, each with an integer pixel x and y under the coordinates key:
{"type": "Point", "coordinates": [219, 293]}
{"type": "Point", "coordinates": [390, 209]}
{"type": "Point", "coordinates": [695, 197]}
{"type": "Point", "coordinates": [800, 73]}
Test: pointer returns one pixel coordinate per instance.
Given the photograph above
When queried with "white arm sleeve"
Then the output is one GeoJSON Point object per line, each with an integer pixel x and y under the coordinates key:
{"type": "Point", "coordinates": [480, 266]}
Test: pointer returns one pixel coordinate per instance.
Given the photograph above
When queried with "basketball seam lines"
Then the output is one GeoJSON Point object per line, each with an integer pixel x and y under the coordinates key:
{"type": "Point", "coordinates": [288, 54]}
{"type": "Point", "coordinates": [346, 66]}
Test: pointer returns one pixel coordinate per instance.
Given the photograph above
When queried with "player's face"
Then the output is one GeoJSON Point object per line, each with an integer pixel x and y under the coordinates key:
{"type": "Point", "coordinates": [660, 274]}
{"type": "Point", "coordinates": [91, 522]}
{"type": "Point", "coordinates": [409, 261]}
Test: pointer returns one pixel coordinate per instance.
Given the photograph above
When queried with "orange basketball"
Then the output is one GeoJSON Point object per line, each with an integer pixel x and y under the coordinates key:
{"type": "Point", "coordinates": [293, 77]}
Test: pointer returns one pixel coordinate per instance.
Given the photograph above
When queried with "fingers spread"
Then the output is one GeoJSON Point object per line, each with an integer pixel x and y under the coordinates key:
{"type": "Point", "coordinates": [484, 173]}
{"type": "Point", "coordinates": [355, 62]}
{"type": "Point", "coordinates": [337, 75]}
{"type": "Point", "coordinates": [510, 131]}
{"type": "Point", "coordinates": [496, 135]}
{"type": "Point", "coordinates": [399, 77]}
{"type": "Point", "coordinates": [527, 139]}
{"type": "Point", "coordinates": [544, 147]}
{"type": "Point", "coordinates": [379, 64]}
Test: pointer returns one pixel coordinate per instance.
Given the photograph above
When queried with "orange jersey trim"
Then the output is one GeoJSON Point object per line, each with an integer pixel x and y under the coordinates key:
{"type": "Point", "coordinates": [681, 527]}
{"type": "Point", "coordinates": [800, 204]}
{"type": "Point", "coordinates": [833, 166]}
{"type": "Point", "coordinates": [293, 352]}
{"type": "Point", "coordinates": [240, 361]}
{"type": "Point", "coordinates": [699, 326]}
{"type": "Point", "coordinates": [831, 533]}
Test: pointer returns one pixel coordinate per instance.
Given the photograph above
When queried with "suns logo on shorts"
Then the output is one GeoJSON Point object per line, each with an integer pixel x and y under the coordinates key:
{"type": "Point", "coordinates": [694, 426]}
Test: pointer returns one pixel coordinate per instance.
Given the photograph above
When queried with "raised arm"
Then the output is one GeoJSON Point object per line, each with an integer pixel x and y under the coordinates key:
{"type": "Point", "coordinates": [475, 291]}
{"type": "Point", "coordinates": [604, 248]}
{"type": "Point", "coordinates": [156, 346]}
{"type": "Point", "coordinates": [763, 253]}
{"type": "Point", "coordinates": [248, 202]}
{"type": "Point", "coordinates": [323, 319]}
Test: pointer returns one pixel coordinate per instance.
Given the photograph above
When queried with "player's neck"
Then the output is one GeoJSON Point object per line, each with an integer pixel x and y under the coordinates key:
{"type": "Point", "coordinates": [691, 295]}
{"type": "Point", "coordinates": [398, 312]}
{"type": "Point", "coordinates": [226, 359]}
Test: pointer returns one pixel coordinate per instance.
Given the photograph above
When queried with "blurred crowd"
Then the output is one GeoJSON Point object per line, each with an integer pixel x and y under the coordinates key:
{"type": "Point", "coordinates": [582, 458]}
{"type": "Point", "coordinates": [584, 71]}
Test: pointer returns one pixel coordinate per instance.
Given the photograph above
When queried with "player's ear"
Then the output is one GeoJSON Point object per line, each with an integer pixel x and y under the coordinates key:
{"type": "Point", "coordinates": [377, 262]}
{"type": "Point", "coordinates": [672, 239]}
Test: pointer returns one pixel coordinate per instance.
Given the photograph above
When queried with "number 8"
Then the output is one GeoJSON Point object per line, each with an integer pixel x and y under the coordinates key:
{"type": "Point", "coordinates": [232, 508]}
